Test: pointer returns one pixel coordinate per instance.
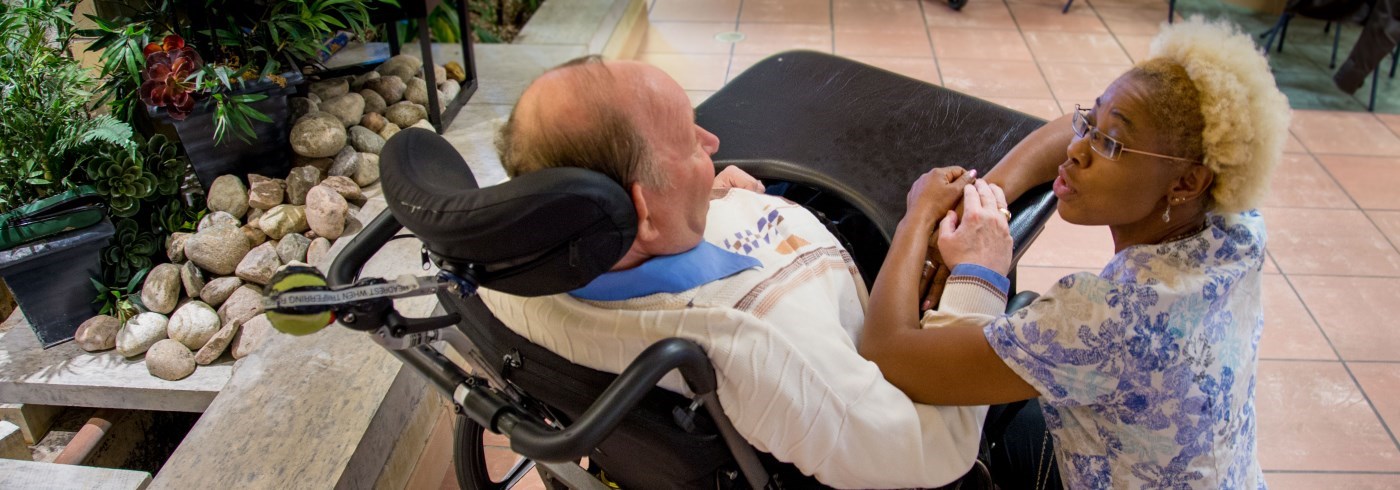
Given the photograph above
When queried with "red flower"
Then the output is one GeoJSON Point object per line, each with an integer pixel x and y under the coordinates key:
{"type": "Point", "coordinates": [168, 69]}
{"type": "Point", "coordinates": [170, 43]}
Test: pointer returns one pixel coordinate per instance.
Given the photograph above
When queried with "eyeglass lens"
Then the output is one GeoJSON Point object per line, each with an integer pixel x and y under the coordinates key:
{"type": "Point", "coordinates": [1101, 143]}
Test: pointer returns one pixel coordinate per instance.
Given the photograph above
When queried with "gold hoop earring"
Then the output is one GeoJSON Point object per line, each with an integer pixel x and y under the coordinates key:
{"type": "Point", "coordinates": [1167, 215]}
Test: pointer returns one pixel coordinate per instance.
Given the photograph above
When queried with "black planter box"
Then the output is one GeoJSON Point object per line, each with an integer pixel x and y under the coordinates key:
{"type": "Point", "coordinates": [269, 153]}
{"type": "Point", "coordinates": [52, 282]}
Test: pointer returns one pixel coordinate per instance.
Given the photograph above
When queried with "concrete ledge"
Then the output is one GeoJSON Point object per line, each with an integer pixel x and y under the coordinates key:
{"type": "Point", "coordinates": [316, 411]}
{"type": "Point", "coordinates": [31, 475]}
{"type": "Point", "coordinates": [65, 375]}
{"type": "Point", "coordinates": [565, 22]}
{"type": "Point", "coordinates": [612, 28]}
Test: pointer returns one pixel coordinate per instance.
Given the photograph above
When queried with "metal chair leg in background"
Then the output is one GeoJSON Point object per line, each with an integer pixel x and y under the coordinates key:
{"type": "Point", "coordinates": [1336, 40]}
{"type": "Point", "coordinates": [1394, 57]}
{"type": "Point", "coordinates": [1278, 32]}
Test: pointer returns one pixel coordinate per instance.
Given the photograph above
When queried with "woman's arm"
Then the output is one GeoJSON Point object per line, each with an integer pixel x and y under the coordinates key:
{"type": "Point", "coordinates": [1034, 160]}
{"type": "Point", "coordinates": [953, 365]}
{"type": "Point", "coordinates": [894, 300]}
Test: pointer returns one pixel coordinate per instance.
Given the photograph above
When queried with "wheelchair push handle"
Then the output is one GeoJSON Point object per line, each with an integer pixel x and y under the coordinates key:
{"type": "Point", "coordinates": [346, 266]}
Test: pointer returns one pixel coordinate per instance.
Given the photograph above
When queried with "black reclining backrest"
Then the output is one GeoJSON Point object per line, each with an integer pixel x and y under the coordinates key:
{"type": "Point", "coordinates": [543, 233]}
{"type": "Point", "coordinates": [863, 135]}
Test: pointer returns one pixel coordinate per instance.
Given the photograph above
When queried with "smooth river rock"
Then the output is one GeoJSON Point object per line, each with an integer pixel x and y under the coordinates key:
{"type": "Point", "coordinates": [140, 333]}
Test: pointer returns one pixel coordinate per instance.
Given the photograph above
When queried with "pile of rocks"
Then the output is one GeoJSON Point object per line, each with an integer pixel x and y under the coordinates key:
{"type": "Point", "coordinates": [251, 232]}
{"type": "Point", "coordinates": [208, 299]}
{"type": "Point", "coordinates": [344, 116]}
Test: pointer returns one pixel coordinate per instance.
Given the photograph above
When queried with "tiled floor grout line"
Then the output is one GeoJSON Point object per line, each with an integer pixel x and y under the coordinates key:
{"type": "Point", "coordinates": [1353, 155]}
{"type": "Point", "coordinates": [1343, 360]}
{"type": "Point", "coordinates": [1367, 213]}
{"type": "Point", "coordinates": [1034, 59]}
{"type": "Point", "coordinates": [1121, 47]}
{"type": "Point", "coordinates": [733, 47]}
{"type": "Point", "coordinates": [1346, 276]}
{"type": "Point", "coordinates": [1370, 220]}
{"type": "Point", "coordinates": [1377, 117]}
{"type": "Point", "coordinates": [1335, 472]}
{"type": "Point", "coordinates": [933, 53]}
{"type": "Point", "coordinates": [831, 14]}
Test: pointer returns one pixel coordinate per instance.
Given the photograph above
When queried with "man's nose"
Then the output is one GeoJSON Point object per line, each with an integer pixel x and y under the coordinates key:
{"type": "Point", "coordinates": [709, 141]}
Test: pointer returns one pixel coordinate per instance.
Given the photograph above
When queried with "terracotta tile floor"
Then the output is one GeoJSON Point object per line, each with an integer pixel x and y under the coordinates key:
{"type": "Point", "coordinates": [1329, 378]}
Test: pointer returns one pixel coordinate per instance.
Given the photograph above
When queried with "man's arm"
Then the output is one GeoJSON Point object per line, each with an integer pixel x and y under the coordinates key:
{"type": "Point", "coordinates": [1035, 160]}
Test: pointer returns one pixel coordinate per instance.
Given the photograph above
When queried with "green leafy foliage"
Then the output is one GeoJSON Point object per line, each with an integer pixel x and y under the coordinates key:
{"type": "Point", "coordinates": [239, 41]}
{"type": "Point", "coordinates": [120, 300]}
{"type": "Point", "coordinates": [492, 21]}
{"type": "Point", "coordinates": [47, 135]}
{"type": "Point", "coordinates": [145, 193]}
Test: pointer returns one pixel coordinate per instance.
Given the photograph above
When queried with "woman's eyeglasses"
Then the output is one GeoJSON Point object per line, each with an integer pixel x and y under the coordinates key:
{"type": "Point", "coordinates": [1104, 144]}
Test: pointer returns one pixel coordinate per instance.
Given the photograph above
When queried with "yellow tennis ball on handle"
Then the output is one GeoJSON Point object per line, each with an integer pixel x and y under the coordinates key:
{"type": "Point", "coordinates": [298, 320]}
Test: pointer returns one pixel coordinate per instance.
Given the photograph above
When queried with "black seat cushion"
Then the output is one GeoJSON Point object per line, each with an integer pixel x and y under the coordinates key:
{"type": "Point", "coordinates": [543, 233]}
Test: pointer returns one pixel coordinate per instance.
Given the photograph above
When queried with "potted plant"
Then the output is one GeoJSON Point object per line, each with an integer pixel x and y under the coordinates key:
{"type": "Point", "coordinates": [217, 69]}
{"type": "Point", "coordinates": [49, 145]}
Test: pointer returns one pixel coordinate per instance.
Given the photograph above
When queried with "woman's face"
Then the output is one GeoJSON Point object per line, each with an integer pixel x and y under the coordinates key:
{"type": "Point", "coordinates": [1129, 191]}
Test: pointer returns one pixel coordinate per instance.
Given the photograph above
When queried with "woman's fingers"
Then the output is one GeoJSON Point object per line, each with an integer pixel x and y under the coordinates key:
{"type": "Point", "coordinates": [1000, 195]}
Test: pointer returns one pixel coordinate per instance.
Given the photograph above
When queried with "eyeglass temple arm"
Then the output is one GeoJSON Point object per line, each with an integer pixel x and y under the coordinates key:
{"type": "Point", "coordinates": [1158, 155]}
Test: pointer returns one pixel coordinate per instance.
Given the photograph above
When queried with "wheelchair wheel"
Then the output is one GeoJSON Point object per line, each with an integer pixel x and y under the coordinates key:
{"type": "Point", "coordinates": [469, 458]}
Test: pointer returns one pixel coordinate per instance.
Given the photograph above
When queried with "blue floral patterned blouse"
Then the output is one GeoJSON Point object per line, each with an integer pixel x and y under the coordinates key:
{"type": "Point", "coordinates": [1147, 371]}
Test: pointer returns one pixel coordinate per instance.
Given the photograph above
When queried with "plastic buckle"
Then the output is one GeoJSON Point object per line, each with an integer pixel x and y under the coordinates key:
{"type": "Point", "coordinates": [463, 286]}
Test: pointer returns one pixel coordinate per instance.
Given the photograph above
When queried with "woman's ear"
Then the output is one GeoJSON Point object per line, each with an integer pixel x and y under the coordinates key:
{"type": "Point", "coordinates": [1193, 183]}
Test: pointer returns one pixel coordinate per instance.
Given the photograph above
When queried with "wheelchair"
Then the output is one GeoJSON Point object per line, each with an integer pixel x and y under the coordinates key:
{"type": "Point", "coordinates": [841, 138]}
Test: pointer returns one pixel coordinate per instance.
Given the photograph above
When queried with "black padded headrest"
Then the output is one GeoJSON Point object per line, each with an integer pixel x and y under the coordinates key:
{"type": "Point", "coordinates": [543, 233]}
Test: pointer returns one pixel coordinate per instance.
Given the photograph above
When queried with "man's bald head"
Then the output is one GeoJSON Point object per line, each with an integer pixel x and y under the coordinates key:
{"type": "Point", "coordinates": [586, 113]}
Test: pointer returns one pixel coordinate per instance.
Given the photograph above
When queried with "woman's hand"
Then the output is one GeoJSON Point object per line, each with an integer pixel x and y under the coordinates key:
{"type": "Point", "coordinates": [733, 177]}
{"type": "Point", "coordinates": [935, 193]}
{"type": "Point", "coordinates": [981, 235]}
{"type": "Point", "coordinates": [935, 275]}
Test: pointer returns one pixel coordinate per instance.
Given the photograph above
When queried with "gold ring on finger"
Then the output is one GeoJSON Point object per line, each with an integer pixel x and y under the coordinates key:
{"type": "Point", "coordinates": [1005, 212]}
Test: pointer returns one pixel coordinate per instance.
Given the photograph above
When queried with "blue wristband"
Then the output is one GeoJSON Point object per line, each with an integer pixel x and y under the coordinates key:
{"type": "Point", "coordinates": [985, 274]}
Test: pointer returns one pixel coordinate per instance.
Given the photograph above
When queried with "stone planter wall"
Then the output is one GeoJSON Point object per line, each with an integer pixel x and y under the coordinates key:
{"type": "Point", "coordinates": [207, 299]}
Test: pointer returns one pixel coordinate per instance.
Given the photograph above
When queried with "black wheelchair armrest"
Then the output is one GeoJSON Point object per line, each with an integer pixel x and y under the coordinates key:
{"type": "Point", "coordinates": [533, 440]}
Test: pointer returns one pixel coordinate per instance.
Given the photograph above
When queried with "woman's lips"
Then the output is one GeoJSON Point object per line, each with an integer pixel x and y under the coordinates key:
{"type": "Point", "coordinates": [1062, 187]}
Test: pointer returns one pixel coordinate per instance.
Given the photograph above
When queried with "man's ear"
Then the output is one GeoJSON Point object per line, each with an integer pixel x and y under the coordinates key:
{"type": "Point", "coordinates": [646, 228]}
{"type": "Point", "coordinates": [1193, 183]}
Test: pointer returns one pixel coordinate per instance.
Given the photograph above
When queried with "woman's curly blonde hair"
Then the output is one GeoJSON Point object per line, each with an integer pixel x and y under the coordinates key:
{"type": "Point", "coordinates": [1245, 116]}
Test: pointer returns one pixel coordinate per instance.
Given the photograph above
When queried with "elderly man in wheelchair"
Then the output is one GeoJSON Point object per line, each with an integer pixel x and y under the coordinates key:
{"type": "Point", "coordinates": [617, 248]}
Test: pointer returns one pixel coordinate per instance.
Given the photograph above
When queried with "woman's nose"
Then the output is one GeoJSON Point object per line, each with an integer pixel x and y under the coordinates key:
{"type": "Point", "coordinates": [1078, 152]}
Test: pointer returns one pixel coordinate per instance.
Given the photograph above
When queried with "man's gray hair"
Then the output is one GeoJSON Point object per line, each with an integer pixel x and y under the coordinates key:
{"type": "Point", "coordinates": [609, 142]}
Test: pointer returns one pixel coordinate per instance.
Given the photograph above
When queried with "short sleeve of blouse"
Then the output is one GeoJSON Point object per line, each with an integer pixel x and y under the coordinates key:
{"type": "Point", "coordinates": [1068, 344]}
